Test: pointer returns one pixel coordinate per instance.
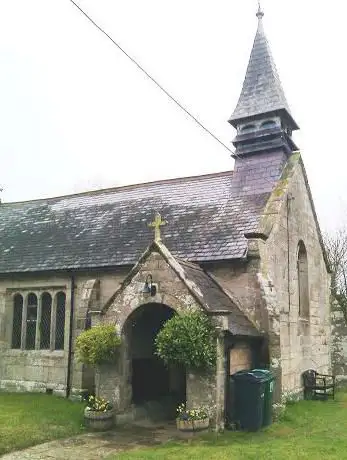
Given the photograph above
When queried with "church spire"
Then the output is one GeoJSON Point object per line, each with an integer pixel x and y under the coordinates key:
{"type": "Point", "coordinates": [262, 102]}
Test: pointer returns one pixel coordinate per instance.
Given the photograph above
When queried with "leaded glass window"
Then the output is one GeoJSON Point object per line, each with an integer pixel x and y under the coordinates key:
{"type": "Point", "coordinates": [60, 321]}
{"type": "Point", "coordinates": [45, 323]}
{"type": "Point", "coordinates": [17, 321]}
{"type": "Point", "coordinates": [31, 321]}
{"type": "Point", "coordinates": [37, 322]}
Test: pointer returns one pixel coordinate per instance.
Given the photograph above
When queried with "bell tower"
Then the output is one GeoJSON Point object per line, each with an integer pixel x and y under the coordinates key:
{"type": "Point", "coordinates": [262, 116]}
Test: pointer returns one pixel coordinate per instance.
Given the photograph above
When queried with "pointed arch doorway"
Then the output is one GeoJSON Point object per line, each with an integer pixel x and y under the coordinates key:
{"type": "Point", "coordinates": [148, 376]}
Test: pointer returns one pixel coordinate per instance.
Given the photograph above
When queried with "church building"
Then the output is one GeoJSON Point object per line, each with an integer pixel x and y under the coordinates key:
{"type": "Point", "coordinates": [244, 246]}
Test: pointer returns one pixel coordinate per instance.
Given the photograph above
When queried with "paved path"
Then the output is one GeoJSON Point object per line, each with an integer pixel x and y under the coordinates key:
{"type": "Point", "coordinates": [93, 446]}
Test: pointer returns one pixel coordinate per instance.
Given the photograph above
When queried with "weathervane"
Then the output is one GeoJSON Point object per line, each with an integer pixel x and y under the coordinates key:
{"type": "Point", "coordinates": [156, 224]}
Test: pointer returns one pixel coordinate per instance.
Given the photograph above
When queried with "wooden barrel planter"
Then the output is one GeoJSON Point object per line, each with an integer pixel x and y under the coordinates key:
{"type": "Point", "coordinates": [192, 425]}
{"type": "Point", "coordinates": [99, 421]}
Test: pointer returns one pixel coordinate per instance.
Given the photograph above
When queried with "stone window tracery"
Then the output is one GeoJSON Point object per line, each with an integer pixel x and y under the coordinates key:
{"type": "Point", "coordinates": [17, 321]}
{"type": "Point", "coordinates": [46, 317]}
{"type": "Point", "coordinates": [31, 321]}
{"type": "Point", "coordinates": [303, 286]}
{"type": "Point", "coordinates": [60, 321]}
{"type": "Point", "coordinates": [38, 321]}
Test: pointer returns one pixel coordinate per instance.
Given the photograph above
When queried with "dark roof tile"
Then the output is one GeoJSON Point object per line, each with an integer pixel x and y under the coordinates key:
{"type": "Point", "coordinates": [206, 219]}
{"type": "Point", "coordinates": [262, 90]}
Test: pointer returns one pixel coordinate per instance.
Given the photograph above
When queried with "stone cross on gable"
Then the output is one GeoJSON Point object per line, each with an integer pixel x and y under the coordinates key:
{"type": "Point", "coordinates": [156, 224]}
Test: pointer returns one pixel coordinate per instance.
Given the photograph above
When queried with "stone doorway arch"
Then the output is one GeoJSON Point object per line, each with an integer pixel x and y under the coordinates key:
{"type": "Point", "coordinates": [149, 379]}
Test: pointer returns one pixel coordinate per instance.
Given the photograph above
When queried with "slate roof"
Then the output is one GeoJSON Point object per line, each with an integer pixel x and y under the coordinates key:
{"type": "Point", "coordinates": [262, 90]}
{"type": "Point", "coordinates": [207, 219]}
{"type": "Point", "coordinates": [214, 298]}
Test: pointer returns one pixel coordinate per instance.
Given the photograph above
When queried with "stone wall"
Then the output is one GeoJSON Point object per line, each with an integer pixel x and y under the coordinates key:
{"type": "Point", "coordinates": [33, 371]}
{"type": "Point", "coordinates": [41, 370]}
{"type": "Point", "coordinates": [201, 391]}
{"type": "Point", "coordinates": [339, 342]}
{"type": "Point", "coordinates": [241, 280]}
{"type": "Point", "coordinates": [30, 370]}
{"type": "Point", "coordinates": [304, 343]}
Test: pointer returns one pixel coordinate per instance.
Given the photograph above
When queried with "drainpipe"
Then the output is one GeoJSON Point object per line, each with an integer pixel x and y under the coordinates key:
{"type": "Point", "coordinates": [69, 356]}
{"type": "Point", "coordinates": [227, 393]}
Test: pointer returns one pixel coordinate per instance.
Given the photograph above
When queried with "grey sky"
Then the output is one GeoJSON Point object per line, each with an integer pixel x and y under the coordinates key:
{"type": "Point", "coordinates": [75, 114]}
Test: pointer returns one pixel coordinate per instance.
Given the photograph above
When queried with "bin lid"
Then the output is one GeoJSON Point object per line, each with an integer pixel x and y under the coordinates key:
{"type": "Point", "coordinates": [249, 376]}
{"type": "Point", "coordinates": [268, 375]}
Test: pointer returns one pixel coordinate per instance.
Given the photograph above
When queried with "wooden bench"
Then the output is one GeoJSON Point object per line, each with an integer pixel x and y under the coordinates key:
{"type": "Point", "coordinates": [318, 386]}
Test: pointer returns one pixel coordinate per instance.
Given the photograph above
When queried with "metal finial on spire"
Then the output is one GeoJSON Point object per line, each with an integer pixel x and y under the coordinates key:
{"type": "Point", "coordinates": [260, 12]}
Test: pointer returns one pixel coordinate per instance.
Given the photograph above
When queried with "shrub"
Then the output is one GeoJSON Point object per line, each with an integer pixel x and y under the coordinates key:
{"type": "Point", "coordinates": [188, 340]}
{"type": "Point", "coordinates": [98, 345]}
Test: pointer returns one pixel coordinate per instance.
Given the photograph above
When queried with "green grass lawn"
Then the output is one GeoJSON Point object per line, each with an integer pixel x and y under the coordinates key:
{"type": "Point", "coordinates": [31, 418]}
{"type": "Point", "coordinates": [309, 430]}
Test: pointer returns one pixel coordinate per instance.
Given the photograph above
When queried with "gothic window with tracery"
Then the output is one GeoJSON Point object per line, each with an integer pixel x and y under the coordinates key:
{"type": "Point", "coordinates": [31, 320]}
{"type": "Point", "coordinates": [38, 322]}
{"type": "Point", "coordinates": [303, 286]}
{"type": "Point", "coordinates": [60, 321]}
{"type": "Point", "coordinates": [45, 324]}
{"type": "Point", "coordinates": [17, 321]}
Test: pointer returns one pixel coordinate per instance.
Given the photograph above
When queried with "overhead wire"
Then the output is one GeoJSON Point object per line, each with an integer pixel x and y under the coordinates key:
{"type": "Point", "coordinates": [139, 66]}
{"type": "Point", "coordinates": [168, 94]}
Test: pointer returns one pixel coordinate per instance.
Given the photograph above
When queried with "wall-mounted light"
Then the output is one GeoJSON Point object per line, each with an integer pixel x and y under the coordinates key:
{"type": "Point", "coordinates": [149, 287]}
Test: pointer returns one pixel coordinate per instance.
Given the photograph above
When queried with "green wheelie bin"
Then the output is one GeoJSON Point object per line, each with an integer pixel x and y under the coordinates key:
{"type": "Point", "coordinates": [249, 389]}
{"type": "Point", "coordinates": [269, 380]}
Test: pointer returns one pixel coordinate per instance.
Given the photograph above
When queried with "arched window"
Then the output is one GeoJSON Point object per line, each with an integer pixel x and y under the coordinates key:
{"type": "Point", "coordinates": [303, 287]}
{"type": "Point", "coordinates": [88, 323]}
{"type": "Point", "coordinates": [60, 321]}
{"type": "Point", "coordinates": [45, 323]}
{"type": "Point", "coordinates": [31, 321]}
{"type": "Point", "coordinates": [17, 321]}
{"type": "Point", "coordinates": [268, 124]}
{"type": "Point", "coordinates": [248, 127]}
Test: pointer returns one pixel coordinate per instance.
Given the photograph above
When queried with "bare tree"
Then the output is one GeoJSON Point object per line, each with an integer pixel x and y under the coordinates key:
{"type": "Point", "coordinates": [336, 246]}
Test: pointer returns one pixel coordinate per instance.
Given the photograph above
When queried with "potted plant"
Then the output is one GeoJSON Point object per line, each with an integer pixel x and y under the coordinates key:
{"type": "Point", "coordinates": [196, 419]}
{"type": "Point", "coordinates": [98, 414]}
